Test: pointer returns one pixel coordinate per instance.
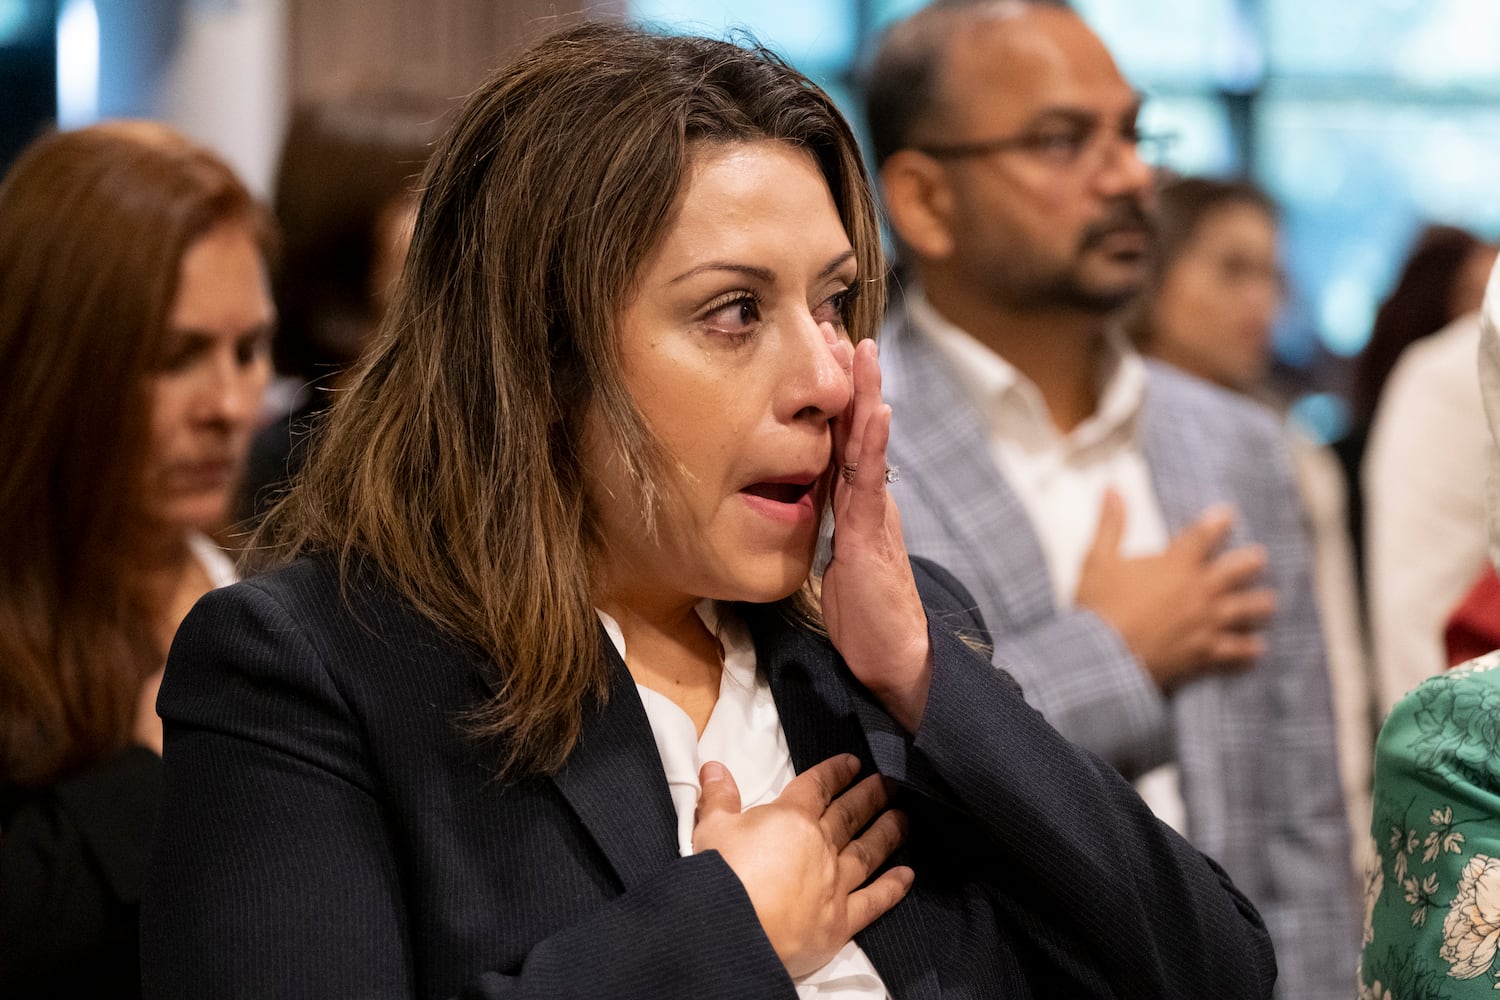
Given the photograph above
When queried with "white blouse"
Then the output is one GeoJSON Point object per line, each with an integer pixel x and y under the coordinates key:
{"type": "Point", "coordinates": [744, 734]}
{"type": "Point", "coordinates": [218, 565]}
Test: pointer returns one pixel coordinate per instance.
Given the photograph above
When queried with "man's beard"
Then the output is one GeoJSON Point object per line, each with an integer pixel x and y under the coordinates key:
{"type": "Point", "coordinates": [1069, 288]}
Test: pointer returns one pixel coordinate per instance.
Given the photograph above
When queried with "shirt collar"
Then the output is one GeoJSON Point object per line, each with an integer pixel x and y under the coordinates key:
{"type": "Point", "coordinates": [1004, 395]}
{"type": "Point", "coordinates": [734, 637]}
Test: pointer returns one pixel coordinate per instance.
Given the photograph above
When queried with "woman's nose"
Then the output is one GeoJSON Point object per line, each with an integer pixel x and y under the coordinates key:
{"type": "Point", "coordinates": [820, 384]}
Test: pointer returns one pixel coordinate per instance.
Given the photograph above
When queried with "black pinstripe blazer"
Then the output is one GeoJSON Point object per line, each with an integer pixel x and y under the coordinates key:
{"type": "Point", "coordinates": [328, 830]}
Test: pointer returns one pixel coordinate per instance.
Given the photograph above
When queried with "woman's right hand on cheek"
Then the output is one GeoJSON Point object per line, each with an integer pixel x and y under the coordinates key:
{"type": "Point", "coordinates": [803, 859]}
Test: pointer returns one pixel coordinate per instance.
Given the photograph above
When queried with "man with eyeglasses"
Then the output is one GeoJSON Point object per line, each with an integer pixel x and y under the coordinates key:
{"type": "Point", "coordinates": [1131, 533]}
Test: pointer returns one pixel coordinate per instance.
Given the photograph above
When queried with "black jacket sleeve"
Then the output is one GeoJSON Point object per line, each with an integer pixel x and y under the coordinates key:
{"type": "Point", "coordinates": [1109, 900]}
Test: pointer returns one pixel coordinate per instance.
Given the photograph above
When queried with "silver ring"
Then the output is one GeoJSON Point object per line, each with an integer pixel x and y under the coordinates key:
{"type": "Point", "coordinates": [848, 469]}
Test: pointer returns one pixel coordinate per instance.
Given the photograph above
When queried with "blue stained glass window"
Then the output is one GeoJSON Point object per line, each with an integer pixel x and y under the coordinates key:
{"type": "Point", "coordinates": [1424, 42]}
{"type": "Point", "coordinates": [889, 11]}
{"type": "Point", "coordinates": [25, 22]}
{"type": "Point", "coordinates": [1357, 177]}
{"type": "Point", "coordinates": [1197, 42]}
{"type": "Point", "coordinates": [1201, 139]}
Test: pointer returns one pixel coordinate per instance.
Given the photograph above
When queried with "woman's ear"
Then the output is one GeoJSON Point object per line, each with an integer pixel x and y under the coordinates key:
{"type": "Point", "coordinates": [919, 203]}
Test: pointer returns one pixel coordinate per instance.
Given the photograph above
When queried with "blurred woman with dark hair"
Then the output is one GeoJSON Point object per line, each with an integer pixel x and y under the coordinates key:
{"type": "Point", "coordinates": [1216, 284]}
{"type": "Point", "coordinates": [1422, 501]}
{"type": "Point", "coordinates": [345, 204]}
{"type": "Point", "coordinates": [1443, 278]}
{"type": "Point", "coordinates": [1209, 309]}
{"type": "Point", "coordinates": [134, 326]}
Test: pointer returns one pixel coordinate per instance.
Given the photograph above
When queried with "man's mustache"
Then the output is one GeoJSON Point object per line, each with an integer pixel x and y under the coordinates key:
{"type": "Point", "coordinates": [1125, 216]}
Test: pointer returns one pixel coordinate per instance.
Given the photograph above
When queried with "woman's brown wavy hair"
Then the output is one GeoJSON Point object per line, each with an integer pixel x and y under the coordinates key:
{"type": "Point", "coordinates": [453, 463]}
{"type": "Point", "coordinates": [93, 227]}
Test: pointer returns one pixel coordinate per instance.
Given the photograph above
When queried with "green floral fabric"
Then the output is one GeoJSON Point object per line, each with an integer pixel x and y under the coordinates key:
{"type": "Point", "coordinates": [1432, 888]}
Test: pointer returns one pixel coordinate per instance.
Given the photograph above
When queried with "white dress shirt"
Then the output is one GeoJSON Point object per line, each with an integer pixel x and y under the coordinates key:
{"type": "Point", "coordinates": [1061, 478]}
{"type": "Point", "coordinates": [218, 565]}
{"type": "Point", "coordinates": [744, 734]}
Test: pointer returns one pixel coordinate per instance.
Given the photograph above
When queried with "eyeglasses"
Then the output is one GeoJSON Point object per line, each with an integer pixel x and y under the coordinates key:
{"type": "Point", "coordinates": [1063, 145]}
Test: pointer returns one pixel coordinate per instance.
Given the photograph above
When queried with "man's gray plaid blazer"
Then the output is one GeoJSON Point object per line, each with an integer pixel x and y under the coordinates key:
{"type": "Point", "coordinates": [1256, 750]}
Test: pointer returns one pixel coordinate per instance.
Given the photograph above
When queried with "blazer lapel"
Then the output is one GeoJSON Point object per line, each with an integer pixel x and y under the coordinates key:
{"type": "Point", "coordinates": [1203, 711]}
{"type": "Point", "coordinates": [615, 783]}
{"type": "Point", "coordinates": [1176, 465]}
{"type": "Point", "coordinates": [935, 440]}
{"type": "Point", "coordinates": [814, 704]}
{"type": "Point", "coordinates": [821, 718]}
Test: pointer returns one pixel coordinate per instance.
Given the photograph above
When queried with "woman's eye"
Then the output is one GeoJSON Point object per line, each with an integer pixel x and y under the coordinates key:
{"type": "Point", "coordinates": [736, 318]}
{"type": "Point", "coordinates": [835, 309]}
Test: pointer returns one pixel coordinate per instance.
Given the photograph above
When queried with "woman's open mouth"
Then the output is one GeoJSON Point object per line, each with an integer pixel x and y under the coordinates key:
{"type": "Point", "coordinates": [780, 492]}
{"type": "Point", "coordinates": [789, 498]}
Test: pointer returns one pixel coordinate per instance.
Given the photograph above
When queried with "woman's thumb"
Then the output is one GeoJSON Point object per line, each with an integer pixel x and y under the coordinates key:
{"type": "Point", "coordinates": [718, 790]}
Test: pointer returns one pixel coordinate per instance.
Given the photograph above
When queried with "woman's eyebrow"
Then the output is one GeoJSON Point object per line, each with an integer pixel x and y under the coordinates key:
{"type": "Point", "coordinates": [761, 274]}
{"type": "Point", "coordinates": [835, 264]}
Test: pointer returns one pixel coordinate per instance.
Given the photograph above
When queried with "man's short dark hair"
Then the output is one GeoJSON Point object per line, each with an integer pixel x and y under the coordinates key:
{"type": "Point", "coordinates": [900, 79]}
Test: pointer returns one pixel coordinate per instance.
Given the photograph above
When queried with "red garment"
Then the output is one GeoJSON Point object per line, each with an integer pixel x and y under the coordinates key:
{"type": "Point", "coordinates": [1474, 627]}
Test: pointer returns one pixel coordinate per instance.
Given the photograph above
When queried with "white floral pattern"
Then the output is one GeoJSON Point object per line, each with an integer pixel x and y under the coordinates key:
{"type": "Point", "coordinates": [1374, 883]}
{"type": "Point", "coordinates": [1419, 896]}
{"type": "Point", "coordinates": [1375, 991]}
{"type": "Point", "coordinates": [1443, 837]}
{"type": "Point", "coordinates": [1471, 931]}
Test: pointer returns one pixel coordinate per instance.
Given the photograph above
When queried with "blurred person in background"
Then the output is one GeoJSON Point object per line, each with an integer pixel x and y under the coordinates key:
{"type": "Point", "coordinates": [1432, 924]}
{"type": "Point", "coordinates": [1209, 308]}
{"type": "Point", "coordinates": [1442, 279]}
{"type": "Point", "coordinates": [345, 204]}
{"type": "Point", "coordinates": [135, 324]}
{"type": "Point", "coordinates": [1132, 534]}
{"type": "Point", "coordinates": [1421, 472]}
{"type": "Point", "coordinates": [1216, 283]}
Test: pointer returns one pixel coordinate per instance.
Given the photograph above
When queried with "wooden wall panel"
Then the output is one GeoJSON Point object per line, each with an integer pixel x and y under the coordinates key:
{"type": "Point", "coordinates": [437, 48]}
